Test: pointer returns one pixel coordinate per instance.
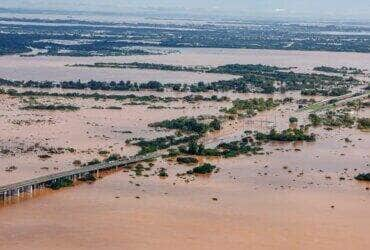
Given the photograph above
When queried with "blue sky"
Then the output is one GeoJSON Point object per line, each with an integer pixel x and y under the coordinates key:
{"type": "Point", "coordinates": [315, 8]}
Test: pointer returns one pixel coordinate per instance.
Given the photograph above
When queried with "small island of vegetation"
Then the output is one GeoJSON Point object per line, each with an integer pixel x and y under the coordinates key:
{"type": "Point", "coordinates": [286, 135]}
{"type": "Point", "coordinates": [206, 168]}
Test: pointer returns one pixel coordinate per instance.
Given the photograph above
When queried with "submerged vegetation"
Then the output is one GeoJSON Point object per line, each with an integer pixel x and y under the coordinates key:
{"type": "Point", "coordinates": [293, 120]}
{"type": "Point", "coordinates": [187, 160]}
{"type": "Point", "coordinates": [286, 135]}
{"type": "Point", "coordinates": [135, 99]}
{"type": "Point", "coordinates": [333, 91]}
{"type": "Point", "coordinates": [363, 123]}
{"type": "Point", "coordinates": [227, 149]}
{"type": "Point", "coordinates": [337, 118]}
{"type": "Point", "coordinates": [52, 107]}
{"type": "Point", "coordinates": [206, 168]}
{"type": "Point", "coordinates": [162, 172]}
{"type": "Point", "coordinates": [248, 78]}
{"type": "Point", "coordinates": [190, 142]}
{"type": "Point", "coordinates": [140, 65]}
{"type": "Point", "coordinates": [198, 127]}
{"type": "Point", "coordinates": [60, 183]}
{"type": "Point", "coordinates": [96, 96]}
{"type": "Point", "coordinates": [150, 146]}
{"type": "Point", "coordinates": [251, 107]}
{"type": "Point", "coordinates": [189, 125]}
{"type": "Point", "coordinates": [235, 148]}
{"type": "Point", "coordinates": [342, 70]}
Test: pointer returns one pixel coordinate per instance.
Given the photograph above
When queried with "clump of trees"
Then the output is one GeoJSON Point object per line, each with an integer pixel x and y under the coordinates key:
{"type": "Point", "coordinates": [150, 146]}
{"type": "Point", "coordinates": [93, 162]}
{"type": "Point", "coordinates": [286, 135]}
{"type": "Point", "coordinates": [139, 169]}
{"type": "Point", "coordinates": [88, 178]}
{"type": "Point", "coordinates": [162, 172]}
{"type": "Point", "coordinates": [193, 148]}
{"type": "Point", "coordinates": [96, 96]}
{"type": "Point", "coordinates": [363, 123]}
{"type": "Point", "coordinates": [113, 157]}
{"type": "Point", "coordinates": [197, 98]}
{"type": "Point", "coordinates": [236, 148]}
{"type": "Point", "coordinates": [206, 168]}
{"type": "Point", "coordinates": [338, 118]}
{"type": "Point", "coordinates": [60, 183]}
{"type": "Point", "coordinates": [215, 124]}
{"type": "Point", "coordinates": [139, 65]}
{"type": "Point", "coordinates": [315, 119]}
{"type": "Point", "coordinates": [189, 125]}
{"type": "Point", "coordinates": [187, 160]}
{"type": "Point", "coordinates": [251, 107]}
{"type": "Point", "coordinates": [335, 91]}
{"type": "Point", "coordinates": [114, 107]}
{"type": "Point", "coordinates": [52, 107]}
{"type": "Point", "coordinates": [293, 120]}
{"type": "Point", "coordinates": [342, 70]}
{"type": "Point", "coordinates": [173, 152]}
{"type": "Point", "coordinates": [248, 78]}
{"type": "Point", "coordinates": [226, 150]}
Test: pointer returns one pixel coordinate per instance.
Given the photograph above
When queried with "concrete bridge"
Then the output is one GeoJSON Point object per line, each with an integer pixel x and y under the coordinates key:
{"type": "Point", "coordinates": [30, 185]}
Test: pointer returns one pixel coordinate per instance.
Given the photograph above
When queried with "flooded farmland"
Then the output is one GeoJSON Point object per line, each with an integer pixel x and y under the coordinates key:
{"type": "Point", "coordinates": [54, 68]}
{"type": "Point", "coordinates": [296, 195]}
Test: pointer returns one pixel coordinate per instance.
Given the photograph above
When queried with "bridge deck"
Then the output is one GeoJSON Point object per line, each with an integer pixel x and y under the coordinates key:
{"type": "Point", "coordinates": [65, 174]}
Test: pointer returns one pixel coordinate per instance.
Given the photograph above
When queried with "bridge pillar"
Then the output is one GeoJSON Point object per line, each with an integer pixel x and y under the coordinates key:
{"type": "Point", "coordinates": [5, 194]}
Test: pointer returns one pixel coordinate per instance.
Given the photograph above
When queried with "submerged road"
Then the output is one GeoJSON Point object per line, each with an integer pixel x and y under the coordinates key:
{"type": "Point", "coordinates": [337, 101]}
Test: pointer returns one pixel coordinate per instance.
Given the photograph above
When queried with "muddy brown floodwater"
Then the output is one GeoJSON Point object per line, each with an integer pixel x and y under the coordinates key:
{"type": "Point", "coordinates": [254, 210]}
{"type": "Point", "coordinates": [297, 196]}
{"type": "Point", "coordinates": [54, 68]}
{"type": "Point", "coordinates": [88, 131]}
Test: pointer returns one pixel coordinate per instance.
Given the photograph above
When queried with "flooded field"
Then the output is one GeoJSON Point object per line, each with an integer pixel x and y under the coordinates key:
{"type": "Point", "coordinates": [88, 131]}
{"type": "Point", "coordinates": [297, 195]}
{"type": "Point", "coordinates": [253, 202]}
{"type": "Point", "coordinates": [54, 68]}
